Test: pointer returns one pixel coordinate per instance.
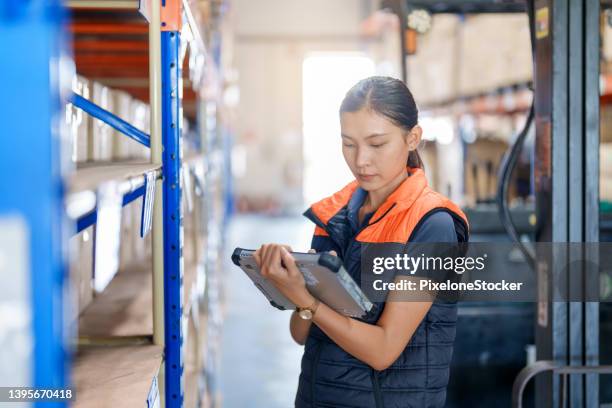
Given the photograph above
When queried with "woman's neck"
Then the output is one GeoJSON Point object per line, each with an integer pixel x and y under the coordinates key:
{"type": "Point", "coordinates": [376, 197]}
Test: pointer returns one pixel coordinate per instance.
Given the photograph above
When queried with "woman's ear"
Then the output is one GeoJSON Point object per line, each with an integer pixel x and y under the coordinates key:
{"type": "Point", "coordinates": [414, 137]}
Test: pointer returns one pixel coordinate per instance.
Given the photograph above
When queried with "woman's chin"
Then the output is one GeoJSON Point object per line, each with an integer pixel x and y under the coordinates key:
{"type": "Point", "coordinates": [367, 184]}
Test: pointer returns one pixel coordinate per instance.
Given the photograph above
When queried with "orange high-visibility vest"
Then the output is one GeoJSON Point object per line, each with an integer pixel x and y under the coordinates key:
{"type": "Point", "coordinates": [330, 376]}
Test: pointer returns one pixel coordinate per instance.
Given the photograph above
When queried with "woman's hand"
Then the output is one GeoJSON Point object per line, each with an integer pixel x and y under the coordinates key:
{"type": "Point", "coordinates": [278, 266]}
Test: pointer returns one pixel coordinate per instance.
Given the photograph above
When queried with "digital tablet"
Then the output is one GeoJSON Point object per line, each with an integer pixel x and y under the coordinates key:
{"type": "Point", "coordinates": [325, 277]}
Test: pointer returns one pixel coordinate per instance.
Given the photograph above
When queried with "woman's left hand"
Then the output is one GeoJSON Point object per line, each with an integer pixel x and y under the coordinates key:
{"type": "Point", "coordinates": [278, 266]}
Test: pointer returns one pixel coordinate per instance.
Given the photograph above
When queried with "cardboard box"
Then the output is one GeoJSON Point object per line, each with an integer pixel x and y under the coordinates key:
{"type": "Point", "coordinates": [147, 245]}
{"type": "Point", "coordinates": [606, 42]}
{"type": "Point", "coordinates": [495, 51]}
{"type": "Point", "coordinates": [433, 69]}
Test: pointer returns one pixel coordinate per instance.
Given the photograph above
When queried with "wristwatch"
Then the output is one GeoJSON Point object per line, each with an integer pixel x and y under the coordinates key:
{"type": "Point", "coordinates": [307, 313]}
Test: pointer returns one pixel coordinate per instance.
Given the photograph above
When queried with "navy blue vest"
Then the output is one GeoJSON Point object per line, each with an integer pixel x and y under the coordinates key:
{"type": "Point", "coordinates": [332, 378]}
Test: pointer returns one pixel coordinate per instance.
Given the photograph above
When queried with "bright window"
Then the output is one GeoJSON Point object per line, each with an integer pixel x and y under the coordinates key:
{"type": "Point", "coordinates": [326, 79]}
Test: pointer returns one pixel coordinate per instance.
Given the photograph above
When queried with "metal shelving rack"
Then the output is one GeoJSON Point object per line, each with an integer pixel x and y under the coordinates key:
{"type": "Point", "coordinates": [40, 202]}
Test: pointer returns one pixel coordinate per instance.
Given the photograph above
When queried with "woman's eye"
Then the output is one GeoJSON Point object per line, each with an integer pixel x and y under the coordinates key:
{"type": "Point", "coordinates": [378, 145]}
{"type": "Point", "coordinates": [347, 145]}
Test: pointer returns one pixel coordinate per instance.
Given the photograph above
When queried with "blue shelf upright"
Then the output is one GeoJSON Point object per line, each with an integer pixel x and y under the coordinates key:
{"type": "Point", "coordinates": [173, 218]}
{"type": "Point", "coordinates": [32, 225]}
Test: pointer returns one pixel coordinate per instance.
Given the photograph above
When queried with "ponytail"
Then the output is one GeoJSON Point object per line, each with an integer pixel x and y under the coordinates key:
{"type": "Point", "coordinates": [414, 160]}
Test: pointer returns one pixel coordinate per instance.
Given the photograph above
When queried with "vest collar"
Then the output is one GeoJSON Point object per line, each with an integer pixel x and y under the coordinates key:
{"type": "Point", "coordinates": [404, 195]}
{"type": "Point", "coordinates": [400, 199]}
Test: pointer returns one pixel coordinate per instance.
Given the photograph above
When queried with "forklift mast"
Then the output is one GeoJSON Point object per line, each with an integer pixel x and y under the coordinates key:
{"type": "Point", "coordinates": [566, 174]}
{"type": "Point", "coordinates": [566, 42]}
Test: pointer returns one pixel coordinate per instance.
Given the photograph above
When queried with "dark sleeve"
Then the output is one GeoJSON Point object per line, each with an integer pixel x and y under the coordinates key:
{"type": "Point", "coordinates": [431, 238]}
{"type": "Point", "coordinates": [436, 227]}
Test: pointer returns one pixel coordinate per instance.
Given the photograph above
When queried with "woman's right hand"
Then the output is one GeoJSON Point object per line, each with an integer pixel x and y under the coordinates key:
{"type": "Point", "coordinates": [299, 327]}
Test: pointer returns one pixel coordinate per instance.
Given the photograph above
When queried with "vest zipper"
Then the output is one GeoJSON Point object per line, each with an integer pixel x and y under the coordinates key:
{"type": "Point", "coordinates": [353, 239]}
{"type": "Point", "coordinates": [376, 389]}
{"type": "Point", "coordinates": [315, 363]}
{"type": "Point", "coordinates": [381, 217]}
{"type": "Point", "coordinates": [372, 223]}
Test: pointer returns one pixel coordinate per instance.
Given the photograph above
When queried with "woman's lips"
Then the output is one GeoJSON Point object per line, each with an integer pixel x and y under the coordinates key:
{"type": "Point", "coordinates": [366, 177]}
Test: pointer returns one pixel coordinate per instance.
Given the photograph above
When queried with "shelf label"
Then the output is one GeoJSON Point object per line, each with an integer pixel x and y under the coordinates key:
{"type": "Point", "coordinates": [146, 216]}
{"type": "Point", "coordinates": [198, 178]}
{"type": "Point", "coordinates": [153, 397]}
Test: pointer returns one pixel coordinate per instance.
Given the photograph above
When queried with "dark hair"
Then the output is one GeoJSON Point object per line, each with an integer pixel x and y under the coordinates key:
{"type": "Point", "coordinates": [389, 97]}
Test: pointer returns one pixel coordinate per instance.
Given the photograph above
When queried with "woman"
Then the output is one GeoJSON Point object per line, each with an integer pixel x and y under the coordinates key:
{"type": "Point", "coordinates": [400, 356]}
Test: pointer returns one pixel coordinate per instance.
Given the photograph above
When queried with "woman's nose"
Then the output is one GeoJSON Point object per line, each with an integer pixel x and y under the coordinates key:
{"type": "Point", "coordinates": [363, 158]}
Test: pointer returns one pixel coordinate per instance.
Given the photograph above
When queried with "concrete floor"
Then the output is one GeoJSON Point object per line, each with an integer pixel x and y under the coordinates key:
{"type": "Point", "coordinates": [260, 362]}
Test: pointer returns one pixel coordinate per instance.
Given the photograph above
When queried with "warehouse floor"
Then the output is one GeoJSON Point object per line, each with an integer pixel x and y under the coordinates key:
{"type": "Point", "coordinates": [260, 363]}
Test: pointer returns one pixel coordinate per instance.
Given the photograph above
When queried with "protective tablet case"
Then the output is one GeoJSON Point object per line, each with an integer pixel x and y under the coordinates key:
{"type": "Point", "coordinates": [325, 278]}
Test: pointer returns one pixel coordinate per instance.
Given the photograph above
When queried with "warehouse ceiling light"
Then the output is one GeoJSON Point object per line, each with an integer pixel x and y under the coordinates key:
{"type": "Point", "coordinates": [467, 128]}
{"type": "Point", "coordinates": [419, 20]}
{"type": "Point", "coordinates": [440, 129]}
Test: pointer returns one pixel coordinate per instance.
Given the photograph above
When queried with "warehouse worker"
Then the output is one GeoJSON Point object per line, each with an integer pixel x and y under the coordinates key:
{"type": "Point", "coordinates": [399, 356]}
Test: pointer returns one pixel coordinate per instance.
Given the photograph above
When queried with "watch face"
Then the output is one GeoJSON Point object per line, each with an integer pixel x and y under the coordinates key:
{"type": "Point", "coordinates": [305, 314]}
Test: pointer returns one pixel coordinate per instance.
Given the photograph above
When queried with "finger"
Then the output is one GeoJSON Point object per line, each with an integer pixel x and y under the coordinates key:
{"type": "Point", "coordinates": [289, 262]}
{"type": "Point", "coordinates": [261, 253]}
{"type": "Point", "coordinates": [275, 256]}
{"type": "Point", "coordinates": [333, 252]}
{"type": "Point", "coordinates": [274, 269]}
{"type": "Point", "coordinates": [265, 256]}
{"type": "Point", "coordinates": [287, 247]}
{"type": "Point", "coordinates": [263, 261]}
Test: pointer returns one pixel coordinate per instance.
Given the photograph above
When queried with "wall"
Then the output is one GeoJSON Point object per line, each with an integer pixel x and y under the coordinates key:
{"type": "Point", "coordinates": [271, 39]}
{"type": "Point", "coordinates": [456, 57]}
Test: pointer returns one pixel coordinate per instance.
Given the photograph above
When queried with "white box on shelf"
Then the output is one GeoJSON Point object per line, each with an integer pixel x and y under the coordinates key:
{"type": "Point", "coordinates": [127, 231]}
{"type": "Point", "coordinates": [102, 134]}
{"type": "Point", "coordinates": [139, 117]}
{"type": "Point", "coordinates": [81, 268]}
{"type": "Point", "coordinates": [122, 144]}
{"type": "Point", "coordinates": [78, 121]}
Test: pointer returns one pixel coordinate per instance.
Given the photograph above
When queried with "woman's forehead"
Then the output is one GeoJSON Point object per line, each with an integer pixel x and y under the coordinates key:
{"type": "Point", "coordinates": [365, 122]}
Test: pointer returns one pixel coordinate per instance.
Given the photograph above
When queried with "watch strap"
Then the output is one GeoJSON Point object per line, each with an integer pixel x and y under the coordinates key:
{"type": "Point", "coordinates": [313, 307]}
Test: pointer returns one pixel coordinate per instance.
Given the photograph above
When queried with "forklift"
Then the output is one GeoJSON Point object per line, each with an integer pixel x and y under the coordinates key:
{"type": "Point", "coordinates": [571, 341]}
